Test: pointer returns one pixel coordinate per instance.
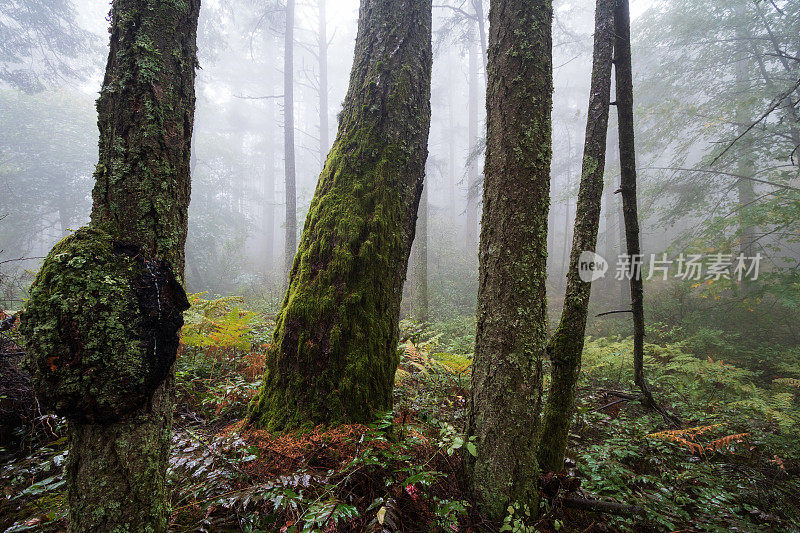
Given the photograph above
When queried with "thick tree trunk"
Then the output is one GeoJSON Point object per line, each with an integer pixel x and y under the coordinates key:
{"type": "Point", "coordinates": [116, 471]}
{"type": "Point", "coordinates": [506, 392]}
{"type": "Point", "coordinates": [334, 356]}
{"type": "Point", "coordinates": [419, 292]}
{"type": "Point", "coordinates": [566, 346]}
{"type": "Point", "coordinates": [473, 176]}
{"type": "Point", "coordinates": [288, 140]}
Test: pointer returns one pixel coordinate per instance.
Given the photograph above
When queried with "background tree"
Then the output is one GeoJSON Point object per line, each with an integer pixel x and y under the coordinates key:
{"type": "Point", "coordinates": [288, 139]}
{"type": "Point", "coordinates": [566, 345]}
{"type": "Point", "coordinates": [510, 342]}
{"type": "Point", "coordinates": [334, 355]}
{"type": "Point", "coordinates": [117, 464]}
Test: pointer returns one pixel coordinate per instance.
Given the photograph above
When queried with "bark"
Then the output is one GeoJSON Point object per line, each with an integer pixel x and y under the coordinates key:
{"type": "Point", "coordinates": [116, 471]}
{"type": "Point", "coordinates": [419, 304]}
{"type": "Point", "coordinates": [288, 140]}
{"type": "Point", "coordinates": [566, 346]}
{"type": "Point", "coordinates": [506, 392]}
{"type": "Point", "coordinates": [334, 355]}
{"type": "Point", "coordinates": [473, 176]}
{"type": "Point", "coordinates": [627, 156]}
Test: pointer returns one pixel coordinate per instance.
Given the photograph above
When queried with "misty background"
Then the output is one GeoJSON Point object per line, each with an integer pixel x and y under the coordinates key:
{"type": "Point", "coordinates": [703, 71]}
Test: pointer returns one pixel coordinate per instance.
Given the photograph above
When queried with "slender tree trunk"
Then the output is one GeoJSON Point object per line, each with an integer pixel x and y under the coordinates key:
{"type": "Point", "coordinates": [451, 159]}
{"type": "Point", "coordinates": [745, 165]}
{"type": "Point", "coordinates": [323, 81]}
{"type": "Point", "coordinates": [480, 17]}
{"type": "Point", "coordinates": [116, 471]}
{"type": "Point", "coordinates": [566, 346]}
{"type": "Point", "coordinates": [473, 176]}
{"type": "Point", "coordinates": [288, 140]}
{"type": "Point", "coordinates": [506, 393]}
{"type": "Point", "coordinates": [268, 212]}
{"type": "Point", "coordinates": [334, 356]}
{"type": "Point", "coordinates": [627, 157]}
{"type": "Point", "coordinates": [419, 304]}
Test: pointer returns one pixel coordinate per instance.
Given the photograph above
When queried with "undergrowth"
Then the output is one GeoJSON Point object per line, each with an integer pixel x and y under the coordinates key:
{"type": "Point", "coordinates": [733, 466]}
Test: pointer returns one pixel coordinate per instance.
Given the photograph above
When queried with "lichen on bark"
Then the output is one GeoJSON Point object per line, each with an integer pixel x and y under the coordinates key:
{"type": "Point", "coordinates": [506, 393]}
{"type": "Point", "coordinates": [334, 355]}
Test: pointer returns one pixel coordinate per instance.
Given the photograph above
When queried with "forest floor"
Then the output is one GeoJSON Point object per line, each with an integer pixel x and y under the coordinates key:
{"type": "Point", "coordinates": [735, 468]}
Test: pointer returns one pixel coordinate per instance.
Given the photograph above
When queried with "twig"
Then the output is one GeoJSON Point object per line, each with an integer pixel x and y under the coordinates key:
{"type": "Point", "coordinates": [615, 312]}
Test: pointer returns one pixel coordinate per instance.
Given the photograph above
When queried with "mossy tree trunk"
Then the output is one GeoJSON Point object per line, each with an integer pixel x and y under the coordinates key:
{"type": "Point", "coordinates": [116, 472]}
{"type": "Point", "coordinates": [506, 393]}
{"type": "Point", "coordinates": [566, 346]}
{"type": "Point", "coordinates": [335, 348]}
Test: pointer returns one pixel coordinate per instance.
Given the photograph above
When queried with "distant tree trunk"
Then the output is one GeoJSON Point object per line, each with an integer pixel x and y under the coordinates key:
{"type": "Point", "coordinates": [746, 167]}
{"type": "Point", "coordinates": [627, 157]}
{"type": "Point", "coordinates": [288, 140]}
{"type": "Point", "coordinates": [323, 81]}
{"type": "Point", "coordinates": [480, 17]}
{"type": "Point", "coordinates": [334, 355]}
{"type": "Point", "coordinates": [268, 212]}
{"type": "Point", "coordinates": [506, 393]}
{"type": "Point", "coordinates": [566, 346]}
{"type": "Point", "coordinates": [419, 304]}
{"type": "Point", "coordinates": [451, 158]}
{"type": "Point", "coordinates": [473, 175]}
{"type": "Point", "coordinates": [116, 471]}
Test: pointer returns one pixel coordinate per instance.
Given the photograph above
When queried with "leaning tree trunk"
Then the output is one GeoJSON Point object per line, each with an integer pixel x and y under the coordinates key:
{"type": "Point", "coordinates": [104, 355]}
{"type": "Point", "coordinates": [290, 244]}
{"type": "Point", "coordinates": [566, 346]}
{"type": "Point", "coordinates": [627, 158]}
{"type": "Point", "coordinates": [335, 351]}
{"type": "Point", "coordinates": [506, 392]}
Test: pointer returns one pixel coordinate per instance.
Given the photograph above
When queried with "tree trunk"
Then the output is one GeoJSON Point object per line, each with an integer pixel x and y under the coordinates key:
{"type": "Point", "coordinates": [473, 176]}
{"type": "Point", "coordinates": [419, 304]}
{"type": "Point", "coordinates": [627, 158]}
{"type": "Point", "coordinates": [745, 165]}
{"type": "Point", "coordinates": [268, 211]}
{"type": "Point", "coordinates": [323, 81]}
{"type": "Point", "coordinates": [288, 140]}
{"type": "Point", "coordinates": [334, 355]}
{"type": "Point", "coordinates": [116, 472]}
{"type": "Point", "coordinates": [566, 346]}
{"type": "Point", "coordinates": [506, 391]}
{"type": "Point", "coordinates": [477, 5]}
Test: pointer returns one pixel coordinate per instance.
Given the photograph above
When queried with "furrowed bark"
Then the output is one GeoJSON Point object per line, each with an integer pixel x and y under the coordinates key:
{"type": "Point", "coordinates": [118, 281]}
{"type": "Point", "coordinates": [566, 346]}
{"type": "Point", "coordinates": [335, 350]}
{"type": "Point", "coordinates": [506, 391]}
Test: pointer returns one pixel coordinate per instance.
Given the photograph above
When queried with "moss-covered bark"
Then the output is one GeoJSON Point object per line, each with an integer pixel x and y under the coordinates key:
{"type": "Point", "coordinates": [511, 336]}
{"type": "Point", "coordinates": [566, 346]}
{"type": "Point", "coordinates": [116, 470]}
{"type": "Point", "coordinates": [334, 354]}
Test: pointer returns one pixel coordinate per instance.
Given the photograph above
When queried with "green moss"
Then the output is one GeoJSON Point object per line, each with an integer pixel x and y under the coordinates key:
{"type": "Point", "coordinates": [83, 330]}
